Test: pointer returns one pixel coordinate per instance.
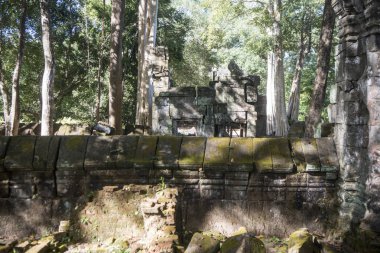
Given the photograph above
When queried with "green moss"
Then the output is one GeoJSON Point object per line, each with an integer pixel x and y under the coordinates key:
{"type": "Point", "coordinates": [241, 150]}
{"type": "Point", "coordinates": [192, 150]}
{"type": "Point", "coordinates": [217, 150]}
{"type": "Point", "coordinates": [262, 155]}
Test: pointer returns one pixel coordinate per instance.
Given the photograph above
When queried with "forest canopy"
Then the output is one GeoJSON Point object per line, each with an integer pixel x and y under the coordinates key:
{"type": "Point", "coordinates": [201, 35]}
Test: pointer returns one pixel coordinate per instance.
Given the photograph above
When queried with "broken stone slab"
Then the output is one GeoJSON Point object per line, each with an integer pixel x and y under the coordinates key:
{"type": "Point", "coordinates": [301, 241]}
{"type": "Point", "coordinates": [167, 153]}
{"type": "Point", "coordinates": [145, 152]}
{"type": "Point", "coordinates": [126, 150]}
{"type": "Point", "coordinates": [98, 152]}
{"type": "Point", "coordinates": [192, 153]}
{"type": "Point", "coordinates": [4, 140]}
{"type": "Point", "coordinates": [72, 153]}
{"type": "Point", "coordinates": [245, 243]}
{"type": "Point", "coordinates": [42, 247]}
{"type": "Point", "coordinates": [262, 155]}
{"type": "Point", "coordinates": [46, 153]}
{"type": "Point", "coordinates": [20, 153]}
{"type": "Point", "coordinates": [216, 153]}
{"type": "Point", "coordinates": [327, 155]}
{"type": "Point", "coordinates": [241, 154]}
{"type": "Point", "coordinates": [202, 243]}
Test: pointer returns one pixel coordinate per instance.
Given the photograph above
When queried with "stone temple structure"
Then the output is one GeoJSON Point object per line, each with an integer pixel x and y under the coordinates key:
{"type": "Point", "coordinates": [229, 106]}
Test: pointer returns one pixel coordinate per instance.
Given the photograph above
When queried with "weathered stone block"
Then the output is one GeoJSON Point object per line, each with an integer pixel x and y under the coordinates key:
{"type": "Point", "coordinates": [211, 174]}
{"type": "Point", "coordinates": [262, 156]}
{"type": "Point", "coordinates": [145, 152]}
{"type": "Point", "coordinates": [46, 153]}
{"type": "Point", "coordinates": [71, 183]}
{"type": "Point", "coordinates": [373, 42]}
{"type": "Point", "coordinates": [281, 157]}
{"type": "Point", "coordinates": [20, 153]}
{"type": "Point", "coordinates": [241, 154]}
{"type": "Point", "coordinates": [327, 155]}
{"type": "Point", "coordinates": [235, 193]}
{"type": "Point", "coordinates": [316, 180]}
{"type": "Point", "coordinates": [298, 155]}
{"type": "Point", "coordinates": [217, 153]}
{"type": "Point", "coordinates": [212, 191]}
{"type": "Point", "coordinates": [167, 153]}
{"type": "Point", "coordinates": [4, 140]}
{"type": "Point", "coordinates": [156, 176]}
{"type": "Point", "coordinates": [4, 185]}
{"type": "Point", "coordinates": [192, 152]}
{"type": "Point", "coordinates": [98, 152]}
{"type": "Point", "coordinates": [310, 150]}
{"type": "Point", "coordinates": [296, 180]}
{"type": "Point", "coordinates": [99, 178]}
{"type": "Point", "coordinates": [126, 150]}
{"type": "Point", "coordinates": [72, 153]}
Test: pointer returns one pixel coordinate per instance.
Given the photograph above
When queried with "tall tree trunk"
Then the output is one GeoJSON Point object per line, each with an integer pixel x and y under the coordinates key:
{"type": "Point", "coordinates": [147, 38]}
{"type": "Point", "coordinates": [277, 97]}
{"type": "Point", "coordinates": [323, 63]}
{"type": "Point", "coordinates": [294, 99]}
{"type": "Point", "coordinates": [15, 106]}
{"type": "Point", "coordinates": [5, 96]}
{"type": "Point", "coordinates": [116, 71]}
{"type": "Point", "coordinates": [99, 90]}
{"type": "Point", "coordinates": [47, 85]}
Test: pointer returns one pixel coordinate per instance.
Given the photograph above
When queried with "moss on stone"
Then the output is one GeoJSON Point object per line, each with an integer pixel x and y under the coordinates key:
{"type": "Point", "coordinates": [262, 155]}
{"type": "Point", "coordinates": [241, 151]}
{"type": "Point", "coordinates": [192, 150]}
{"type": "Point", "coordinates": [217, 151]}
{"type": "Point", "coordinates": [243, 243]}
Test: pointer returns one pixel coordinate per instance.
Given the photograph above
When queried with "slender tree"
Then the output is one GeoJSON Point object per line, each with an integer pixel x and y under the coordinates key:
{"type": "Point", "coordinates": [304, 50]}
{"type": "Point", "coordinates": [323, 63]}
{"type": "Point", "coordinates": [277, 123]}
{"type": "Point", "coordinates": [15, 106]}
{"type": "Point", "coordinates": [146, 40]}
{"type": "Point", "coordinates": [116, 71]}
{"type": "Point", "coordinates": [47, 86]}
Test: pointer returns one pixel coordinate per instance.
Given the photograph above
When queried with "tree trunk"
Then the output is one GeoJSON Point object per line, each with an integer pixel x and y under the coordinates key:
{"type": "Point", "coordinates": [147, 38]}
{"type": "Point", "coordinates": [47, 85]}
{"type": "Point", "coordinates": [294, 99]}
{"type": "Point", "coordinates": [99, 91]}
{"type": "Point", "coordinates": [323, 63]}
{"type": "Point", "coordinates": [15, 106]}
{"type": "Point", "coordinates": [5, 97]}
{"type": "Point", "coordinates": [277, 97]}
{"type": "Point", "coordinates": [116, 71]}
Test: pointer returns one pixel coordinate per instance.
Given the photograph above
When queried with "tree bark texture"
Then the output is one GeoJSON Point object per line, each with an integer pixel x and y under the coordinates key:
{"type": "Point", "coordinates": [15, 106]}
{"type": "Point", "coordinates": [294, 99]}
{"type": "Point", "coordinates": [116, 70]}
{"type": "Point", "coordinates": [279, 120]}
{"type": "Point", "coordinates": [5, 96]}
{"type": "Point", "coordinates": [146, 40]}
{"type": "Point", "coordinates": [100, 84]}
{"type": "Point", "coordinates": [47, 86]}
{"type": "Point", "coordinates": [323, 64]}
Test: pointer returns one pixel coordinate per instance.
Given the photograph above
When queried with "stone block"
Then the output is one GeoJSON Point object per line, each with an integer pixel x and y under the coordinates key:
{"type": "Point", "coordinates": [310, 151]}
{"type": "Point", "coordinates": [316, 180]}
{"type": "Point", "coordinates": [145, 152]}
{"type": "Point", "coordinates": [241, 154]}
{"type": "Point", "coordinates": [373, 42]}
{"type": "Point", "coordinates": [203, 181]}
{"type": "Point", "coordinates": [213, 174]}
{"type": "Point", "coordinates": [46, 153]}
{"type": "Point", "coordinates": [298, 155]}
{"type": "Point", "coordinates": [157, 175]}
{"type": "Point", "coordinates": [167, 153]}
{"type": "Point", "coordinates": [192, 153]}
{"type": "Point", "coordinates": [212, 191]}
{"type": "Point", "coordinates": [262, 156]}
{"type": "Point", "coordinates": [29, 184]}
{"type": "Point", "coordinates": [327, 155]}
{"type": "Point", "coordinates": [296, 180]}
{"type": "Point", "coordinates": [71, 183]}
{"type": "Point", "coordinates": [281, 156]}
{"type": "Point", "coordinates": [100, 178]}
{"type": "Point", "coordinates": [235, 194]}
{"type": "Point", "coordinates": [4, 140]}
{"type": "Point", "coordinates": [98, 152]}
{"type": "Point", "coordinates": [217, 153]}
{"type": "Point", "coordinates": [20, 153]}
{"type": "Point", "coordinates": [72, 153]}
{"type": "Point", "coordinates": [126, 150]}
{"type": "Point", "coordinates": [4, 185]}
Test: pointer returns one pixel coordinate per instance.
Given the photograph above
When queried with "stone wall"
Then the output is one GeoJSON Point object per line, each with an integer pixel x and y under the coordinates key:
{"type": "Point", "coordinates": [355, 107]}
{"type": "Point", "coordinates": [269, 185]}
